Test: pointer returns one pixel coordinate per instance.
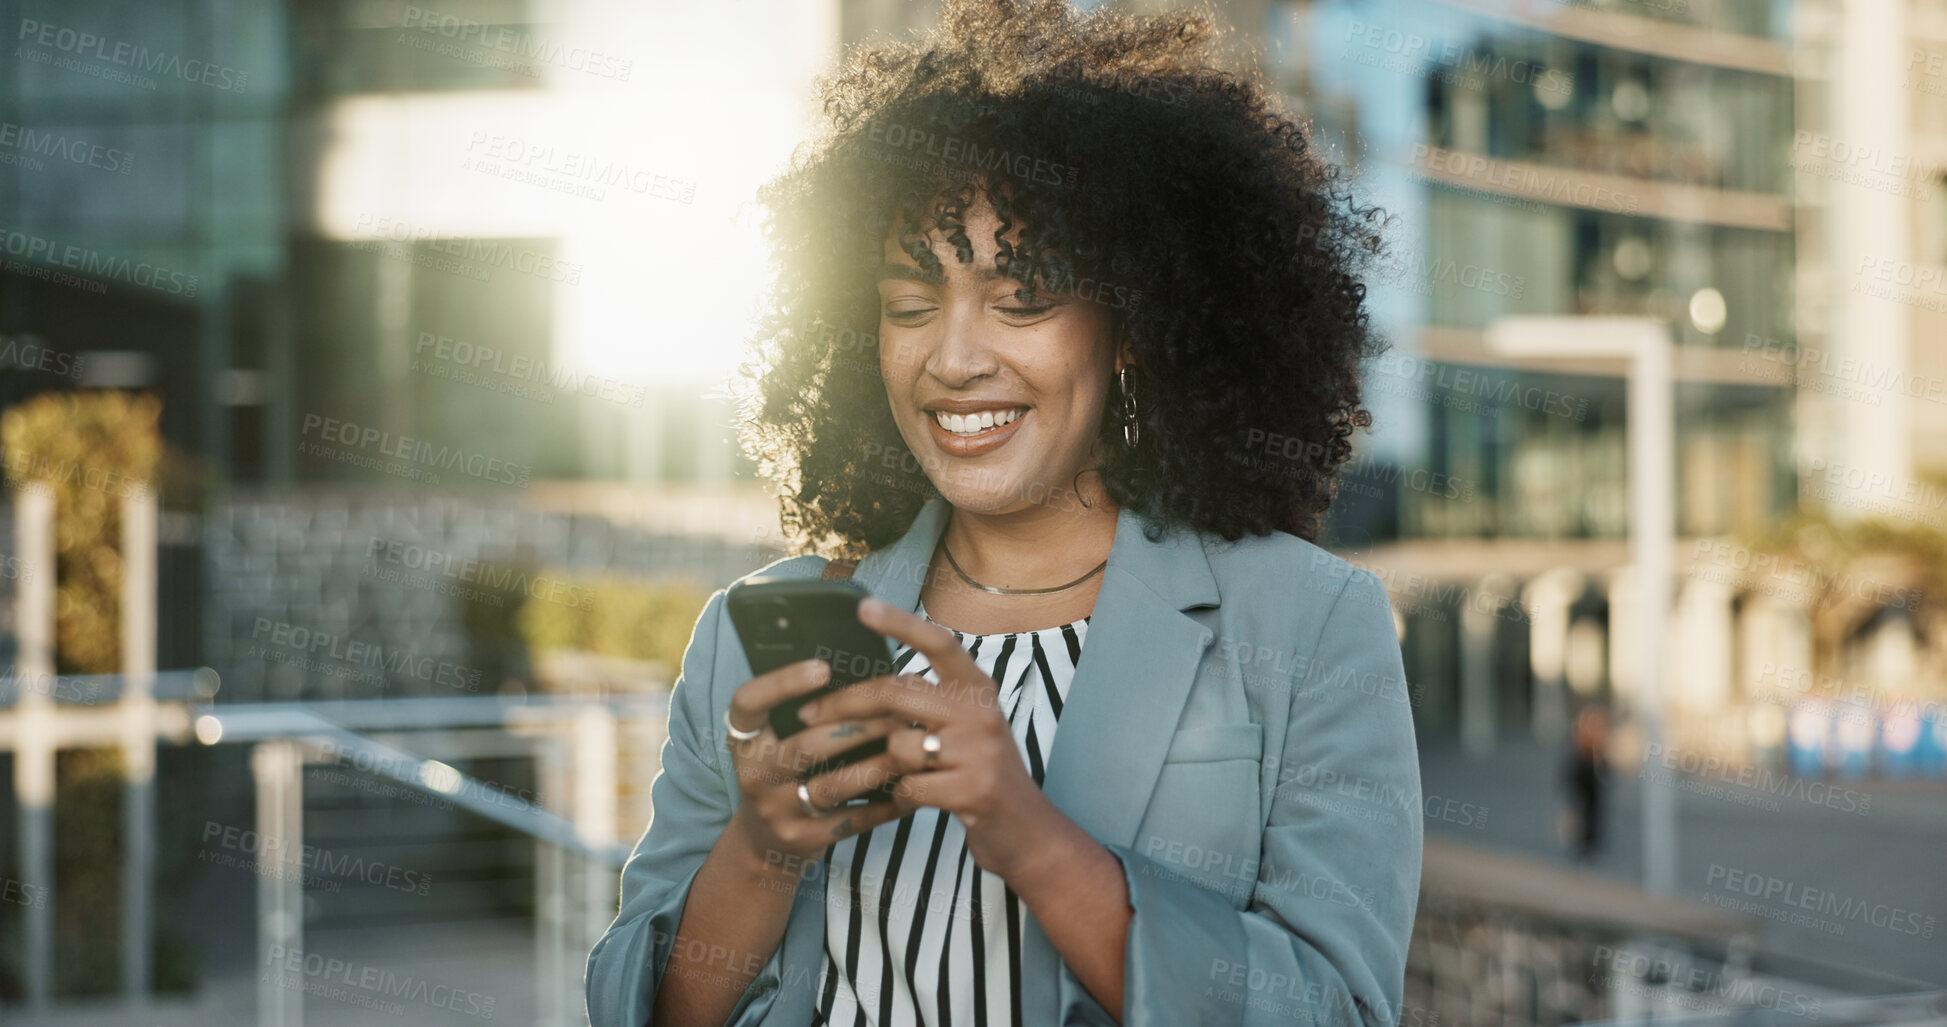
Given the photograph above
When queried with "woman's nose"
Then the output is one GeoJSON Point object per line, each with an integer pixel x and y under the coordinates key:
{"type": "Point", "coordinates": [962, 350]}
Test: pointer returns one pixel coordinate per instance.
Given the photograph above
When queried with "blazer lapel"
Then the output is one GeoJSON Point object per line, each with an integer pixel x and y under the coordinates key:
{"type": "Point", "coordinates": [1137, 666]}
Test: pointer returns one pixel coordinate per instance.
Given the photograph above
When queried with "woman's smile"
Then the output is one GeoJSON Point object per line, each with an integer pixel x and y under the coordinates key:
{"type": "Point", "coordinates": [965, 429]}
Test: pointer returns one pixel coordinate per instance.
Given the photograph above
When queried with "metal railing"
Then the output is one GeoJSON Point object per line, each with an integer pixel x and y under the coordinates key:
{"type": "Point", "coordinates": [1507, 941]}
{"type": "Point", "coordinates": [1911, 1009]}
{"type": "Point", "coordinates": [571, 738]}
{"type": "Point", "coordinates": [577, 855]}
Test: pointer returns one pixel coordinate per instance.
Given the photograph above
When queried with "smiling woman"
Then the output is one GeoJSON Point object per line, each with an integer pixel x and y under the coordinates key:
{"type": "Point", "coordinates": [1121, 171]}
{"type": "Point", "coordinates": [1043, 284]}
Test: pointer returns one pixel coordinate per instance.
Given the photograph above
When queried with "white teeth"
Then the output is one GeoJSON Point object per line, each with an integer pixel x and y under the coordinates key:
{"type": "Point", "coordinates": [974, 424]}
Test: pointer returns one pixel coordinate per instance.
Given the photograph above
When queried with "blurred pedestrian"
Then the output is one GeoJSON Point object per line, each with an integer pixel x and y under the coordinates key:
{"type": "Point", "coordinates": [1586, 773]}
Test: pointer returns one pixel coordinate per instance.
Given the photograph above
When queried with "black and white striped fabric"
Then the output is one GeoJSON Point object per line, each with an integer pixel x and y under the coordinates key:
{"type": "Point", "coordinates": [915, 932]}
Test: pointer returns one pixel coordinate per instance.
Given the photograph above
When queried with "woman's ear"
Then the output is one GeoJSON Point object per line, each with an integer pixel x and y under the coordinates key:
{"type": "Point", "coordinates": [1125, 354]}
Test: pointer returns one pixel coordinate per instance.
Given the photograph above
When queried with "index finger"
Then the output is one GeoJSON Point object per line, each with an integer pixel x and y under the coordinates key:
{"type": "Point", "coordinates": [941, 648]}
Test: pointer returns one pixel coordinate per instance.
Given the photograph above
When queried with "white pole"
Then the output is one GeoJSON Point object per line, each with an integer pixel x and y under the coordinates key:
{"type": "Point", "coordinates": [138, 742]}
{"type": "Point", "coordinates": [278, 767]}
{"type": "Point", "coordinates": [1644, 346]}
{"type": "Point", "coordinates": [596, 810]}
{"type": "Point", "coordinates": [1651, 531]}
{"type": "Point", "coordinates": [34, 510]}
{"type": "Point", "coordinates": [551, 894]}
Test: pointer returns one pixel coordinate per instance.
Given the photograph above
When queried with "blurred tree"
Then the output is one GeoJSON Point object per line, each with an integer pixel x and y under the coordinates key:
{"type": "Point", "coordinates": [92, 449]}
{"type": "Point", "coordinates": [1845, 564]}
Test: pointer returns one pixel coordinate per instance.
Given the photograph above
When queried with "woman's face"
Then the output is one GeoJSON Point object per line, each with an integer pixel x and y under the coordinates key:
{"type": "Point", "coordinates": [1020, 386]}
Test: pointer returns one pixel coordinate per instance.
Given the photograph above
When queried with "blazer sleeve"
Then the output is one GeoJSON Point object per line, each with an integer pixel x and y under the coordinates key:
{"type": "Point", "coordinates": [692, 799]}
{"type": "Point", "coordinates": [1324, 936]}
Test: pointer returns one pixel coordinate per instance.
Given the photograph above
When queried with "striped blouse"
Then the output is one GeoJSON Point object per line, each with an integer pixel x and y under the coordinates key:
{"type": "Point", "coordinates": [915, 932]}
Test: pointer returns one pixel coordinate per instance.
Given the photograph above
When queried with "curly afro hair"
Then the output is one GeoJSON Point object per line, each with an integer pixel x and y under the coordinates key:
{"type": "Point", "coordinates": [1123, 164]}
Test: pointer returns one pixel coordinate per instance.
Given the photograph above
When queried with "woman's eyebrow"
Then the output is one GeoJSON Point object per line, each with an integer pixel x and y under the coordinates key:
{"type": "Point", "coordinates": [889, 271]}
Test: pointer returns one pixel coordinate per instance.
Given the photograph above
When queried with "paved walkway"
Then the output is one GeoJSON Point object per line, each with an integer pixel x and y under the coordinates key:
{"type": "Point", "coordinates": [396, 974]}
{"type": "Point", "coordinates": [1858, 892]}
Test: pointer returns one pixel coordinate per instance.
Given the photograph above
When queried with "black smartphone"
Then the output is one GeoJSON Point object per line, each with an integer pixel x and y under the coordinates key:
{"type": "Point", "coordinates": [781, 621]}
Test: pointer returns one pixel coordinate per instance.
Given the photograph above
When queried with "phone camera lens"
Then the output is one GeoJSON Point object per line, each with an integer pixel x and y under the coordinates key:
{"type": "Point", "coordinates": [784, 623]}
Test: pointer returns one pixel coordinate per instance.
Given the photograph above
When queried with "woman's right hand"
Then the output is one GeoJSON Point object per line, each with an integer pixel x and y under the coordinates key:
{"type": "Point", "coordinates": [769, 770]}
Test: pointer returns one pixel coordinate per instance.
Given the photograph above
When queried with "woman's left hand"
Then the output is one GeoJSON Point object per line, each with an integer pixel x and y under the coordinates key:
{"type": "Point", "coordinates": [978, 774]}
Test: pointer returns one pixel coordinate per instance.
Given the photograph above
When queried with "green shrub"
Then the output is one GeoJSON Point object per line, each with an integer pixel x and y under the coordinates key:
{"type": "Point", "coordinates": [622, 618]}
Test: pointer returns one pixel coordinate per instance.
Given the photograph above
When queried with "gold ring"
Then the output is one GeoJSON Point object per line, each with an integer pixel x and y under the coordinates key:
{"type": "Point", "coordinates": [804, 802]}
{"type": "Point", "coordinates": [930, 745]}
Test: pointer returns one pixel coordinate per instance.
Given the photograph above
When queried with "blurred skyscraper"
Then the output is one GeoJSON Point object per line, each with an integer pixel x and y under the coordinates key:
{"type": "Point", "coordinates": [1648, 157]}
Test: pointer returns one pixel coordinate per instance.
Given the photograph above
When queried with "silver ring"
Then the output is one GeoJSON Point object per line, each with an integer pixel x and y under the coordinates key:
{"type": "Point", "coordinates": [930, 745]}
{"type": "Point", "coordinates": [735, 732]}
{"type": "Point", "coordinates": [805, 803]}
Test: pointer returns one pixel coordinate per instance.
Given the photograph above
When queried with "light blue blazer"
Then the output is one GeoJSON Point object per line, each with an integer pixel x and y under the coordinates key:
{"type": "Point", "coordinates": [1238, 733]}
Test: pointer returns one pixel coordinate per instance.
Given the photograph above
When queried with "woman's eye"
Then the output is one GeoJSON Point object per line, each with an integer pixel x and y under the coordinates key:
{"type": "Point", "coordinates": [1027, 311]}
{"type": "Point", "coordinates": [907, 316]}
